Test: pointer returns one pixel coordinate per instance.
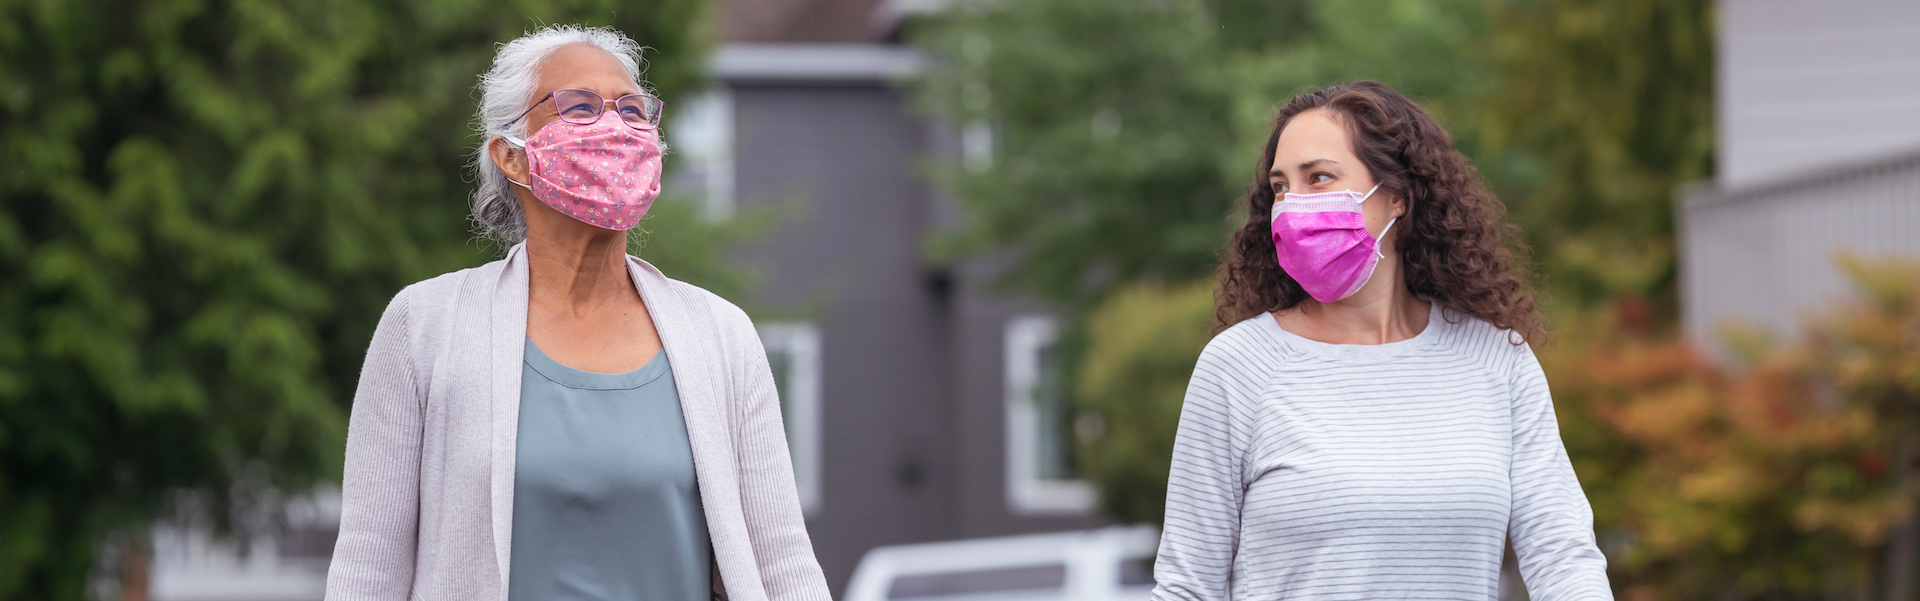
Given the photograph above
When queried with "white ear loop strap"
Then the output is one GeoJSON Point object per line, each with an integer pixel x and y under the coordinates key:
{"type": "Point", "coordinates": [522, 144]}
{"type": "Point", "coordinates": [1383, 231]}
{"type": "Point", "coordinates": [1382, 236]}
{"type": "Point", "coordinates": [1370, 192]}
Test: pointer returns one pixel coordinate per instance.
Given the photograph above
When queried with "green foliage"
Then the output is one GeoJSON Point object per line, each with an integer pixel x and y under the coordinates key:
{"type": "Point", "coordinates": [1142, 345]}
{"type": "Point", "coordinates": [1126, 130]}
{"type": "Point", "coordinates": [1109, 119]}
{"type": "Point", "coordinates": [1605, 111]}
{"type": "Point", "coordinates": [204, 207]}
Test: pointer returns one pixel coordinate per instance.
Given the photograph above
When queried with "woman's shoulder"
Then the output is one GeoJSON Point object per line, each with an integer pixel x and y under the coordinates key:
{"type": "Point", "coordinates": [442, 292]}
{"type": "Point", "coordinates": [719, 313]}
{"type": "Point", "coordinates": [426, 309]}
{"type": "Point", "coordinates": [1497, 347]}
{"type": "Point", "coordinates": [724, 311]}
{"type": "Point", "coordinates": [1248, 343]}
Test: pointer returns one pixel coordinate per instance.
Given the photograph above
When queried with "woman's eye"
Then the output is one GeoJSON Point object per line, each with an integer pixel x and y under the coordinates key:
{"type": "Point", "coordinates": [1321, 177]}
{"type": "Point", "coordinates": [1279, 188]}
{"type": "Point", "coordinates": [579, 108]}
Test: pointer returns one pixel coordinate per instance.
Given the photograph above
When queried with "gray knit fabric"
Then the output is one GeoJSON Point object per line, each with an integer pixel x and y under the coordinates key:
{"type": "Point", "coordinates": [427, 495]}
{"type": "Point", "coordinates": [1306, 470]}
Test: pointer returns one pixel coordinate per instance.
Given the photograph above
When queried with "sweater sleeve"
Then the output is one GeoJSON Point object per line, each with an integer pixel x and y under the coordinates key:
{"type": "Point", "coordinates": [768, 495]}
{"type": "Point", "coordinates": [1204, 488]}
{"type": "Point", "coordinates": [373, 558]}
{"type": "Point", "coordinates": [1551, 523]}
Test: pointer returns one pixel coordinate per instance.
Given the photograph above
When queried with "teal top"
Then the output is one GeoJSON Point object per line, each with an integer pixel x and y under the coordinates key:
{"type": "Point", "coordinates": [605, 505]}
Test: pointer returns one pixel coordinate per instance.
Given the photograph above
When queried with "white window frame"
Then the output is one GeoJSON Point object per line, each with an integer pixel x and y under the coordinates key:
{"type": "Point", "coordinates": [801, 342]}
{"type": "Point", "coordinates": [976, 147]}
{"type": "Point", "coordinates": [708, 120]}
{"type": "Point", "coordinates": [1027, 492]}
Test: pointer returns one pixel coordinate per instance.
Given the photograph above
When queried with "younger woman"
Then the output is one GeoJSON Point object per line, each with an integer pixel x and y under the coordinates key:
{"type": "Point", "coordinates": [1372, 425]}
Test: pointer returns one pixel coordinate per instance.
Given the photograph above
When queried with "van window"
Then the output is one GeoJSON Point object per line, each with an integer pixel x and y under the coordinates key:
{"type": "Point", "coordinates": [1136, 572]}
{"type": "Point", "coordinates": [997, 580]}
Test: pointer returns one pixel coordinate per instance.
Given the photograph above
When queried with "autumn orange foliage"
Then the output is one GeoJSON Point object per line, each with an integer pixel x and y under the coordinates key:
{"type": "Point", "coordinates": [1786, 475]}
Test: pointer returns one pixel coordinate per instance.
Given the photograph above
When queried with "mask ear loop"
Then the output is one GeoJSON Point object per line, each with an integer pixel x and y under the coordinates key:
{"type": "Point", "coordinates": [1382, 236]}
{"type": "Point", "coordinates": [1383, 231]}
{"type": "Point", "coordinates": [1370, 192]}
{"type": "Point", "coordinates": [522, 145]}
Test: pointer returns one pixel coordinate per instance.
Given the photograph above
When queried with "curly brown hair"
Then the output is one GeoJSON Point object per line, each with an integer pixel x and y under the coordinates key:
{"type": "Point", "coordinates": [1456, 245]}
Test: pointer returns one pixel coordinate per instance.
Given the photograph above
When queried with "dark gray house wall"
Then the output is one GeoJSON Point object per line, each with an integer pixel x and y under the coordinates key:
{"type": "Point", "coordinates": [836, 162]}
{"type": "Point", "coordinates": [913, 394]}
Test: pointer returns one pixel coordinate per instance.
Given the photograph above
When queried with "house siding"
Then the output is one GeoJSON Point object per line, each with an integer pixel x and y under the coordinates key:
{"type": "Point", "coordinates": [912, 392]}
{"type": "Point", "coordinates": [1766, 256]}
{"type": "Point", "coordinates": [1810, 85]}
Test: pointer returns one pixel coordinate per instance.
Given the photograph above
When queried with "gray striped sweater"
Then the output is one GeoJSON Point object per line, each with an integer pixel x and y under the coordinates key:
{"type": "Point", "coordinates": [1307, 470]}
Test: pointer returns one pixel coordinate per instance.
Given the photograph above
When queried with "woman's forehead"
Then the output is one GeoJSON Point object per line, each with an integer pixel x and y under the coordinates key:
{"type": "Point", "coordinates": [1311, 135]}
{"type": "Point", "coordinates": [586, 67]}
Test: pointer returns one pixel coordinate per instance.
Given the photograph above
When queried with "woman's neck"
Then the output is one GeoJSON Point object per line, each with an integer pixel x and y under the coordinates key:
{"type": "Point", "coordinates": [577, 270]}
{"type": "Point", "coordinates": [1382, 311]}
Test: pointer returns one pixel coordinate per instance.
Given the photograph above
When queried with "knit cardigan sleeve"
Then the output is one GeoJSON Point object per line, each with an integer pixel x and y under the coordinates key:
{"type": "Point", "coordinates": [373, 559]}
{"type": "Point", "coordinates": [768, 495]}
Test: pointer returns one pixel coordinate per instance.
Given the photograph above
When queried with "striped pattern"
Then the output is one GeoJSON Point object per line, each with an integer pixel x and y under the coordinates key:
{"type": "Point", "coordinates": [1306, 470]}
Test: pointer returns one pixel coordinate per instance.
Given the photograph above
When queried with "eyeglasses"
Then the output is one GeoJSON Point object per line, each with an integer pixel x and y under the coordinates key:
{"type": "Point", "coordinates": [582, 107]}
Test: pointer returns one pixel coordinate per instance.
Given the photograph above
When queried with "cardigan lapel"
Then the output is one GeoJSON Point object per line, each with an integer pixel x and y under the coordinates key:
{"type": "Point", "coordinates": [699, 373]}
{"type": "Point", "coordinates": [506, 351]}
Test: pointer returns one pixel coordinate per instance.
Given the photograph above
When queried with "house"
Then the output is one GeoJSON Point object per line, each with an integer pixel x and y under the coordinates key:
{"type": "Point", "coordinates": [1818, 125]}
{"type": "Point", "coordinates": [915, 394]}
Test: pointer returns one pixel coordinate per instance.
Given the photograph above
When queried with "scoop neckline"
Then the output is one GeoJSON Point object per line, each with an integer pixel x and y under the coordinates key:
{"type": "Point", "coordinates": [559, 373]}
{"type": "Point", "coordinates": [1424, 340]}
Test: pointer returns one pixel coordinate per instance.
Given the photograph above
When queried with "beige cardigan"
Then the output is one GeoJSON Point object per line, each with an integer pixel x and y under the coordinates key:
{"type": "Point", "coordinates": [427, 507]}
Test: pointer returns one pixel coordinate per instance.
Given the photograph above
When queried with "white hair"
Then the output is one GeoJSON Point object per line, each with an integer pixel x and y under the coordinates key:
{"type": "Point", "coordinates": [506, 89]}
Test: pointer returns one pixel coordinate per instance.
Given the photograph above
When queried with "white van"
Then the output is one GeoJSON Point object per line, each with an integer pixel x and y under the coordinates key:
{"type": "Point", "coordinates": [1110, 564]}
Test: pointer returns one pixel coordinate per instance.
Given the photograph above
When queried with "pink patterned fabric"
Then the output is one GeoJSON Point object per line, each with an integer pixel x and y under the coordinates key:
{"type": "Point", "coordinates": [1323, 243]}
{"type": "Point", "coordinates": [604, 173]}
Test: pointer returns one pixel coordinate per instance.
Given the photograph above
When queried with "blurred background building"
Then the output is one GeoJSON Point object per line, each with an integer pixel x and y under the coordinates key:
{"type": "Point", "coordinates": [919, 400]}
{"type": "Point", "coordinates": [1818, 155]}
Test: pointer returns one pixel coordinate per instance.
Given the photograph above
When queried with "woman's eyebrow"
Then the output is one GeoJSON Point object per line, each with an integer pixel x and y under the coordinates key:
{"type": "Point", "coordinates": [1304, 166]}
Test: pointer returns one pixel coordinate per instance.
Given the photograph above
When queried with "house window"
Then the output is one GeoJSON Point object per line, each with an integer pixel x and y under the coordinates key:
{"type": "Point", "coordinates": [1040, 468]}
{"type": "Point", "coordinates": [976, 147]}
{"type": "Point", "coordinates": [700, 133]}
{"type": "Point", "coordinates": [793, 351]}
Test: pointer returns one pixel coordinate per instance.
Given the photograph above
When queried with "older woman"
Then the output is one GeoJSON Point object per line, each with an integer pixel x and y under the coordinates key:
{"type": "Point", "coordinates": [567, 422]}
{"type": "Point", "coordinates": [1371, 424]}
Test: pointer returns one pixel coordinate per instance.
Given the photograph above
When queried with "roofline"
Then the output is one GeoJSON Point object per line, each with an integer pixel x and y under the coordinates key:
{"type": "Point", "coordinates": [814, 63]}
{"type": "Point", "coordinates": [888, 17]}
{"type": "Point", "coordinates": [1710, 194]}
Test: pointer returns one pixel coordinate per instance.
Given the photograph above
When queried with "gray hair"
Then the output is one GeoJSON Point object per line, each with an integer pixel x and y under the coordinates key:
{"type": "Point", "coordinates": [505, 90]}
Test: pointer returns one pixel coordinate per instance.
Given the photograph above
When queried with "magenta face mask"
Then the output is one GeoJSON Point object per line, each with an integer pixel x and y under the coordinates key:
{"type": "Point", "coordinates": [604, 173]}
{"type": "Point", "coordinates": [1323, 243]}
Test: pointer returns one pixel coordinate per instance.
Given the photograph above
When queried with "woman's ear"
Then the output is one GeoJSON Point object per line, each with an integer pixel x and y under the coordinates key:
{"type": "Point", "coordinates": [511, 161]}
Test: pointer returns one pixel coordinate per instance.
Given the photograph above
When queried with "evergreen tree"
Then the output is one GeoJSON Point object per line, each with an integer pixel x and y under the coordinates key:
{"type": "Point", "coordinates": [204, 207]}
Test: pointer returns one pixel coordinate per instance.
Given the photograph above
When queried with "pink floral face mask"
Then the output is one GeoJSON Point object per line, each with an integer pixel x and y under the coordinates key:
{"type": "Point", "coordinates": [604, 173]}
{"type": "Point", "coordinates": [1323, 243]}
